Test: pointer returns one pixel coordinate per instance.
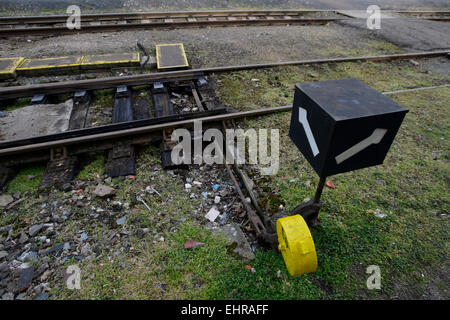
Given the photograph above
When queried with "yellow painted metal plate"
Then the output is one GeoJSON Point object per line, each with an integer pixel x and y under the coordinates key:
{"type": "Point", "coordinates": [9, 65]}
{"type": "Point", "coordinates": [171, 56]}
{"type": "Point", "coordinates": [296, 245]}
{"type": "Point", "coordinates": [111, 59]}
{"type": "Point", "coordinates": [50, 63]}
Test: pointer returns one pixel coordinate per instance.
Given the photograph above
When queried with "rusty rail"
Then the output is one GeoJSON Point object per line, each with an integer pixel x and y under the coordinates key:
{"type": "Point", "coordinates": [111, 82]}
{"type": "Point", "coordinates": [136, 131]}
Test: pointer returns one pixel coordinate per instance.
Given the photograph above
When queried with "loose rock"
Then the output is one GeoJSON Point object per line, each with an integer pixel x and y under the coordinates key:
{"type": "Point", "coordinates": [35, 229]}
{"type": "Point", "coordinates": [5, 200]}
{"type": "Point", "coordinates": [26, 276]}
{"type": "Point", "coordinates": [3, 254]}
{"type": "Point", "coordinates": [103, 191]}
{"type": "Point", "coordinates": [237, 241]}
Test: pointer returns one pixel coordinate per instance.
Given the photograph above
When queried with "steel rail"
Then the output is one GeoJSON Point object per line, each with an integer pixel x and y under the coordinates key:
{"type": "Point", "coordinates": [111, 82]}
{"type": "Point", "coordinates": [136, 131]}
{"type": "Point", "coordinates": [155, 15]}
{"type": "Point", "coordinates": [185, 14]}
{"type": "Point", "coordinates": [445, 12]}
{"type": "Point", "coordinates": [167, 20]}
{"type": "Point", "coordinates": [140, 127]}
{"type": "Point", "coordinates": [109, 128]}
{"type": "Point", "coordinates": [39, 31]}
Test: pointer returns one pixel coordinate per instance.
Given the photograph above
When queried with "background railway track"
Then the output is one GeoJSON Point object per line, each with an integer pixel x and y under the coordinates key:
{"type": "Point", "coordinates": [14, 92]}
{"type": "Point", "coordinates": [56, 25]}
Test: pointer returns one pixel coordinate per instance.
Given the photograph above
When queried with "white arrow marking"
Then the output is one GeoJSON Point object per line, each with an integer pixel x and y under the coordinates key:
{"type": "Point", "coordinates": [374, 138]}
{"type": "Point", "coordinates": [304, 121]}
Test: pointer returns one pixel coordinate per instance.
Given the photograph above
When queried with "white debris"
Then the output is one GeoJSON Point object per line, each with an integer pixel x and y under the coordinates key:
{"type": "Point", "coordinates": [212, 214]}
{"type": "Point", "coordinates": [378, 214]}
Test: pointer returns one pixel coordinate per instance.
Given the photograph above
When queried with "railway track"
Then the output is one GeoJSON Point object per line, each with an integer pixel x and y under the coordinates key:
{"type": "Point", "coordinates": [125, 131]}
{"type": "Point", "coordinates": [153, 106]}
{"type": "Point", "coordinates": [428, 15]}
{"type": "Point", "coordinates": [109, 22]}
{"type": "Point", "coordinates": [14, 92]}
{"type": "Point", "coordinates": [52, 25]}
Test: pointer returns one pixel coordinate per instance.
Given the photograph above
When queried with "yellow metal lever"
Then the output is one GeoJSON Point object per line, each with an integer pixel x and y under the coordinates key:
{"type": "Point", "coordinates": [296, 245]}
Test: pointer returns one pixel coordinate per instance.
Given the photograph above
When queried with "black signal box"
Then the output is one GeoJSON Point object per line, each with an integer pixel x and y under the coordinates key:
{"type": "Point", "coordinates": [343, 125]}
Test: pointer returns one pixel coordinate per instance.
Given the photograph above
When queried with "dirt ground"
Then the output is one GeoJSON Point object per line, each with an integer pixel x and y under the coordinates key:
{"type": "Point", "coordinates": [215, 46]}
{"type": "Point", "coordinates": [411, 34]}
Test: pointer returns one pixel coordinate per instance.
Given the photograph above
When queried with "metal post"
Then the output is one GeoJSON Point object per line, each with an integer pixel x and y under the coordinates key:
{"type": "Point", "coordinates": [319, 189]}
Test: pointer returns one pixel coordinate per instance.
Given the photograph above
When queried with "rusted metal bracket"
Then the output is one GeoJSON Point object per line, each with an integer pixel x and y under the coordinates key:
{"type": "Point", "coordinates": [58, 153]}
{"type": "Point", "coordinates": [197, 99]}
{"type": "Point", "coordinates": [310, 210]}
{"type": "Point", "coordinates": [121, 150]}
{"type": "Point", "coordinates": [255, 220]}
{"type": "Point", "coordinates": [60, 170]}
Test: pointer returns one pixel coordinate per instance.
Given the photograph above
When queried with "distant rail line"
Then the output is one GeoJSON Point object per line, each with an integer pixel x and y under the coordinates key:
{"type": "Point", "coordinates": [19, 26]}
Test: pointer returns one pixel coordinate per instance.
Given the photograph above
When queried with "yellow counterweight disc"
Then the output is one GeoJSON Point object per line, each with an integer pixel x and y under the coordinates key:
{"type": "Point", "coordinates": [296, 244]}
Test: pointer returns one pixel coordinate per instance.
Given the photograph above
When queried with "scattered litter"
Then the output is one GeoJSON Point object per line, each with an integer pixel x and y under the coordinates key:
{"type": "Point", "coordinates": [192, 244]}
{"type": "Point", "coordinates": [248, 267]}
{"type": "Point", "coordinates": [121, 221]}
{"type": "Point", "coordinates": [279, 274]}
{"type": "Point", "coordinates": [150, 189]}
{"type": "Point", "coordinates": [83, 236]}
{"type": "Point", "coordinates": [188, 186]}
{"type": "Point", "coordinates": [212, 214]}
{"type": "Point", "coordinates": [216, 187]}
{"type": "Point", "coordinates": [216, 199]}
{"type": "Point", "coordinates": [163, 286]}
{"type": "Point", "coordinates": [378, 213]}
{"type": "Point", "coordinates": [205, 194]}
{"type": "Point", "coordinates": [138, 198]}
{"type": "Point", "coordinates": [330, 184]}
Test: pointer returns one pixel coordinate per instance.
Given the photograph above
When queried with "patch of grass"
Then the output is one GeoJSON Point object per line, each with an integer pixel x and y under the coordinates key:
{"type": "Point", "coordinates": [93, 170]}
{"type": "Point", "coordinates": [22, 183]}
{"type": "Point", "coordinates": [19, 104]}
{"type": "Point", "coordinates": [411, 187]}
{"type": "Point", "coordinates": [256, 89]}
